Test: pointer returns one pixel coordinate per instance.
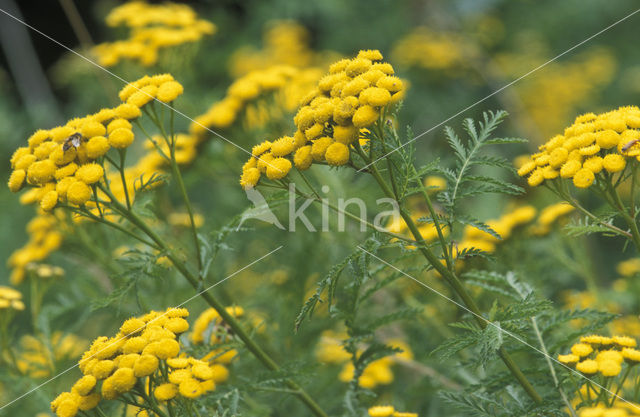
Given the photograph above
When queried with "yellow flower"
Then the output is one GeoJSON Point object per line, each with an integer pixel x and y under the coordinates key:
{"type": "Point", "coordinates": [78, 193]}
{"type": "Point", "coordinates": [49, 201]}
{"type": "Point", "coordinates": [614, 163]}
{"type": "Point", "coordinates": [303, 158]}
{"type": "Point", "coordinates": [345, 134]}
{"type": "Point", "coordinates": [625, 341]}
{"type": "Point", "coordinates": [16, 180]}
{"type": "Point", "coordinates": [97, 146]}
{"type": "Point", "coordinates": [568, 359]}
{"type": "Point", "coordinates": [103, 369]}
{"type": "Point", "coordinates": [143, 95]}
{"type": "Point", "coordinates": [536, 178]}
{"type": "Point", "coordinates": [609, 367]}
{"type": "Point", "coordinates": [607, 139]}
{"type": "Point", "coordinates": [92, 128]}
{"type": "Point", "coordinates": [631, 355]}
{"type": "Point", "coordinates": [583, 178]}
{"type": "Point", "coordinates": [250, 178]}
{"type": "Point", "coordinates": [375, 96]}
{"type": "Point", "coordinates": [381, 411]}
{"type": "Point", "coordinates": [41, 171]}
{"type": "Point", "coordinates": [90, 173]}
{"type": "Point", "coordinates": [122, 380]}
{"type": "Point", "coordinates": [588, 366]}
{"type": "Point", "coordinates": [190, 388]}
{"type": "Point", "coordinates": [132, 326]}
{"type": "Point", "coordinates": [84, 385]}
{"type": "Point", "coordinates": [176, 325]}
{"type": "Point", "coordinates": [165, 392]}
{"type": "Point", "coordinates": [121, 138]}
{"type": "Point", "coordinates": [365, 116]}
{"type": "Point", "coordinates": [278, 168]}
{"type": "Point", "coordinates": [283, 146]}
{"type": "Point", "coordinates": [145, 365]}
{"type": "Point", "coordinates": [337, 154]}
{"type": "Point", "coordinates": [169, 91]}
{"type": "Point", "coordinates": [127, 111]}
{"type": "Point", "coordinates": [89, 402]}
{"type": "Point", "coordinates": [202, 371]}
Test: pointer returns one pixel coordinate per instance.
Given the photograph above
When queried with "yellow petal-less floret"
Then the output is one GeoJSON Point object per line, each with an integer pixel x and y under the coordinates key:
{"type": "Point", "coordinates": [121, 138]}
{"type": "Point", "coordinates": [278, 168]}
{"type": "Point", "coordinates": [90, 173]}
{"type": "Point", "coordinates": [41, 172]}
{"type": "Point", "coordinates": [128, 111]}
{"type": "Point", "coordinates": [169, 91]}
{"type": "Point", "coordinates": [381, 411]}
{"type": "Point", "coordinates": [92, 128]}
{"type": "Point", "coordinates": [588, 367]}
{"type": "Point", "coordinates": [614, 163]}
{"type": "Point", "coordinates": [165, 392]}
{"type": "Point", "coordinates": [16, 180]}
{"type": "Point", "coordinates": [145, 365]}
{"type": "Point", "coordinates": [250, 178]}
{"type": "Point", "coordinates": [49, 201]}
{"type": "Point", "coordinates": [143, 96]}
{"type": "Point", "coordinates": [283, 146]}
{"type": "Point", "coordinates": [84, 385]}
{"type": "Point", "coordinates": [609, 368]}
{"type": "Point", "coordinates": [78, 193]}
{"type": "Point", "coordinates": [365, 116]}
{"type": "Point", "coordinates": [337, 154]}
{"type": "Point", "coordinates": [302, 158]}
{"type": "Point", "coordinates": [583, 178]}
{"type": "Point", "coordinates": [190, 388]}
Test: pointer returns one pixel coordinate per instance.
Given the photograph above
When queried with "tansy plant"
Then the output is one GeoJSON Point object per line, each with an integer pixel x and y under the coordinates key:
{"type": "Point", "coordinates": [81, 168]}
{"type": "Point", "coordinates": [347, 122]}
{"type": "Point", "coordinates": [599, 153]}
{"type": "Point", "coordinates": [142, 366]}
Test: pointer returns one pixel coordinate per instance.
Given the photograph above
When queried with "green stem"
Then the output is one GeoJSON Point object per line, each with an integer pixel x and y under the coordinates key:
{"type": "Point", "coordinates": [620, 384]}
{"type": "Point", "coordinates": [237, 328]}
{"type": "Point", "coordinates": [123, 155]}
{"type": "Point", "coordinates": [171, 143]}
{"type": "Point", "coordinates": [556, 382]}
{"type": "Point", "coordinates": [633, 226]}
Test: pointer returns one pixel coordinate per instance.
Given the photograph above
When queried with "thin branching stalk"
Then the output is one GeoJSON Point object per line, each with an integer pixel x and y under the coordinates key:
{"type": "Point", "coordinates": [457, 286]}
{"type": "Point", "coordinates": [195, 282]}
{"type": "Point", "coordinates": [556, 382]}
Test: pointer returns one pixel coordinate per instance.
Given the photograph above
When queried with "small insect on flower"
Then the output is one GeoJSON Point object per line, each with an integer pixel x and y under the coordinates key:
{"type": "Point", "coordinates": [626, 147]}
{"type": "Point", "coordinates": [74, 140]}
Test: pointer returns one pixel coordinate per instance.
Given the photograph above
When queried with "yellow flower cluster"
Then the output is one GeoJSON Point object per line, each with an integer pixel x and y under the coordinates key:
{"type": "Point", "coordinates": [37, 358]}
{"type": "Point", "coordinates": [388, 411]}
{"type": "Point", "coordinates": [378, 372]}
{"type": "Point", "coordinates": [432, 50]}
{"type": "Point", "coordinates": [153, 27]}
{"type": "Point", "coordinates": [352, 96]}
{"type": "Point", "coordinates": [593, 143]}
{"type": "Point", "coordinates": [602, 354]}
{"type": "Point", "coordinates": [44, 238]}
{"type": "Point", "coordinates": [285, 43]}
{"type": "Point", "coordinates": [209, 329]}
{"type": "Point", "coordinates": [619, 409]}
{"type": "Point", "coordinates": [504, 226]}
{"type": "Point", "coordinates": [133, 360]}
{"type": "Point", "coordinates": [10, 299]}
{"type": "Point", "coordinates": [287, 85]}
{"type": "Point", "coordinates": [548, 216]}
{"type": "Point", "coordinates": [44, 271]}
{"type": "Point", "coordinates": [551, 98]}
{"type": "Point", "coordinates": [629, 267]}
